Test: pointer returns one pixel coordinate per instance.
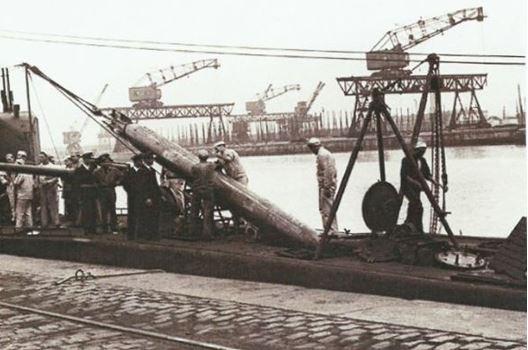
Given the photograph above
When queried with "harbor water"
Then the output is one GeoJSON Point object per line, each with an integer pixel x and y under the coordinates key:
{"type": "Point", "coordinates": [486, 196]}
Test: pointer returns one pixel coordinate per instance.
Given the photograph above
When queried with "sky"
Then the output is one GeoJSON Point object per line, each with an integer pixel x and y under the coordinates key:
{"type": "Point", "coordinates": [331, 24]}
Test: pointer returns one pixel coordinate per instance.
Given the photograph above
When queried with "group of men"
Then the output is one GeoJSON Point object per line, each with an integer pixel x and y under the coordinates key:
{"type": "Point", "coordinates": [411, 187]}
{"type": "Point", "coordinates": [90, 197]}
{"type": "Point", "coordinates": [22, 189]}
{"type": "Point", "coordinates": [203, 198]}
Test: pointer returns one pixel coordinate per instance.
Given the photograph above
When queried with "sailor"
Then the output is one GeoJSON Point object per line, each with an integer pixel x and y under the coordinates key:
{"type": "Point", "coordinates": [108, 177]}
{"type": "Point", "coordinates": [49, 201]}
{"type": "Point", "coordinates": [411, 186]}
{"type": "Point", "coordinates": [7, 179]}
{"type": "Point", "coordinates": [176, 185]}
{"type": "Point", "coordinates": [23, 184]}
{"type": "Point", "coordinates": [129, 183]}
{"type": "Point", "coordinates": [67, 193]}
{"type": "Point", "coordinates": [230, 161]}
{"type": "Point", "coordinates": [203, 196]}
{"type": "Point", "coordinates": [149, 203]}
{"type": "Point", "coordinates": [86, 181]}
{"type": "Point", "coordinates": [326, 180]}
{"type": "Point", "coordinates": [21, 157]}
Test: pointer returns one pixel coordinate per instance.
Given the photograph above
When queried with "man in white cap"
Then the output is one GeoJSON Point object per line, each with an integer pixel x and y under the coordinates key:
{"type": "Point", "coordinates": [411, 187]}
{"type": "Point", "coordinates": [326, 179]}
{"type": "Point", "coordinates": [24, 196]}
{"type": "Point", "coordinates": [7, 178]}
{"type": "Point", "coordinates": [48, 189]}
{"type": "Point", "coordinates": [230, 161]}
{"type": "Point", "coordinates": [21, 157]}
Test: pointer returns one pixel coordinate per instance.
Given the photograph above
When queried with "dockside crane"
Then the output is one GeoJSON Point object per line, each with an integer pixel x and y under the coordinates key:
{"type": "Point", "coordinates": [72, 138]}
{"type": "Point", "coordinates": [146, 93]}
{"type": "Point", "coordinates": [258, 107]}
{"type": "Point", "coordinates": [389, 57]}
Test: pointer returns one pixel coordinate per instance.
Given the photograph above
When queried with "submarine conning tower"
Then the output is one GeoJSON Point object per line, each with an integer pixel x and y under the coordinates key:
{"type": "Point", "coordinates": [17, 130]}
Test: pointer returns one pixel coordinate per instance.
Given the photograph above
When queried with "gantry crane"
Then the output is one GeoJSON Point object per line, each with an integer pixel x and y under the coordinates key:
{"type": "Point", "coordinates": [258, 107]}
{"type": "Point", "coordinates": [389, 56]}
{"type": "Point", "coordinates": [146, 92]}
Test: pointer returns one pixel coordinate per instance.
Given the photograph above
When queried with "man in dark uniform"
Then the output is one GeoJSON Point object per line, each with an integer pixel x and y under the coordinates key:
{"type": "Point", "coordinates": [87, 183]}
{"type": "Point", "coordinates": [149, 200]}
{"type": "Point", "coordinates": [130, 186]}
{"type": "Point", "coordinates": [203, 196]}
{"type": "Point", "coordinates": [108, 177]}
{"type": "Point", "coordinates": [411, 186]}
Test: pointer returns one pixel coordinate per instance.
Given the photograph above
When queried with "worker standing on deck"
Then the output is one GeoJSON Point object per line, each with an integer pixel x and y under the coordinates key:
{"type": "Point", "coordinates": [410, 184]}
{"type": "Point", "coordinates": [230, 161]}
{"type": "Point", "coordinates": [203, 196]}
{"type": "Point", "coordinates": [148, 225]}
{"type": "Point", "coordinates": [130, 182]}
{"type": "Point", "coordinates": [86, 181]}
{"type": "Point", "coordinates": [23, 184]}
{"type": "Point", "coordinates": [49, 201]}
{"type": "Point", "coordinates": [108, 177]}
{"type": "Point", "coordinates": [326, 180]}
{"type": "Point", "coordinates": [176, 184]}
{"type": "Point", "coordinates": [7, 179]}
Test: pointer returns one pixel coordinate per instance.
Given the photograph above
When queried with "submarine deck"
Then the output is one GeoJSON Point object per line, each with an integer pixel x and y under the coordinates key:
{"type": "Point", "coordinates": [235, 258]}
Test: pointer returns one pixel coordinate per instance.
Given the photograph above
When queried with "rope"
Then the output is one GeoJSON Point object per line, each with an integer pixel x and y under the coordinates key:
{"type": "Point", "coordinates": [246, 47]}
{"type": "Point", "coordinates": [248, 54]}
{"type": "Point", "coordinates": [45, 119]}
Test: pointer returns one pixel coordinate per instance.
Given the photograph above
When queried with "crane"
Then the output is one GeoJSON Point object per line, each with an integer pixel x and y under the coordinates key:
{"type": "Point", "coordinates": [72, 138]}
{"type": "Point", "coordinates": [389, 56]}
{"type": "Point", "coordinates": [146, 93]}
{"type": "Point", "coordinates": [258, 107]}
{"type": "Point", "coordinates": [303, 108]}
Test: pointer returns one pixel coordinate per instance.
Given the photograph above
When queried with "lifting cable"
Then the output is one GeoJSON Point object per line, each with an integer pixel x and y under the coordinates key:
{"type": "Point", "coordinates": [245, 53]}
{"type": "Point", "coordinates": [246, 47]}
{"type": "Point", "coordinates": [45, 119]}
{"type": "Point", "coordinates": [86, 107]}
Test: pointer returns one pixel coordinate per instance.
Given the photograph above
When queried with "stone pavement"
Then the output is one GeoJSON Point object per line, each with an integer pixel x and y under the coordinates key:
{"type": "Point", "coordinates": [224, 322]}
{"type": "Point", "coordinates": [26, 331]}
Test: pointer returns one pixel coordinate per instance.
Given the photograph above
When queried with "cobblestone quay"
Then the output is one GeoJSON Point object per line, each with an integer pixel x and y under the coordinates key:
{"type": "Point", "coordinates": [227, 323]}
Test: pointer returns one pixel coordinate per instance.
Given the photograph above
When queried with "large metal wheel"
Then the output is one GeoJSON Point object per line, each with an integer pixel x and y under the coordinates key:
{"type": "Point", "coordinates": [381, 206]}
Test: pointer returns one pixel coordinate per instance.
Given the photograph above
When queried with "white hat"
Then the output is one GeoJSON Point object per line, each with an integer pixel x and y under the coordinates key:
{"type": "Point", "coordinates": [314, 141]}
{"type": "Point", "coordinates": [420, 144]}
{"type": "Point", "coordinates": [219, 143]}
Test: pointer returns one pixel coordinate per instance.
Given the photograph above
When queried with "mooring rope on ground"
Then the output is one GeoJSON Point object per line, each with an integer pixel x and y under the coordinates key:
{"type": "Point", "coordinates": [123, 329]}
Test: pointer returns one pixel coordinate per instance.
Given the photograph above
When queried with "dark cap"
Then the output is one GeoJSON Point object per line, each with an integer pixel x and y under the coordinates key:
{"type": "Point", "coordinates": [103, 157]}
{"type": "Point", "coordinates": [148, 155]}
{"type": "Point", "coordinates": [137, 157]}
{"type": "Point", "coordinates": [87, 155]}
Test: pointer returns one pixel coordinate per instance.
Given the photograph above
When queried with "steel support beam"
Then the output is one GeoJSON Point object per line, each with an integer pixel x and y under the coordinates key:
{"type": "Point", "coordinates": [412, 84]}
{"type": "Point", "coordinates": [176, 111]}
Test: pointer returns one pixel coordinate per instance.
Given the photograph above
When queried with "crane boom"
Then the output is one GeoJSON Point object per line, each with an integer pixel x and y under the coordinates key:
{"type": "Point", "coordinates": [146, 92]}
{"type": "Point", "coordinates": [389, 53]}
{"type": "Point", "coordinates": [258, 107]}
{"type": "Point", "coordinates": [97, 100]}
{"type": "Point", "coordinates": [302, 109]}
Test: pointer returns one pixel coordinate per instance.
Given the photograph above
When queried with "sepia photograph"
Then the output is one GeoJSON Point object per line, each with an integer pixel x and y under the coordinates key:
{"type": "Point", "coordinates": [263, 175]}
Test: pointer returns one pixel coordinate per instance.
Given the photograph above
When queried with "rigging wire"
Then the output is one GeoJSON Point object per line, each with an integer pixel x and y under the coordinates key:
{"type": "Point", "coordinates": [45, 119]}
{"type": "Point", "coordinates": [245, 47]}
{"type": "Point", "coordinates": [248, 54]}
{"type": "Point", "coordinates": [86, 107]}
